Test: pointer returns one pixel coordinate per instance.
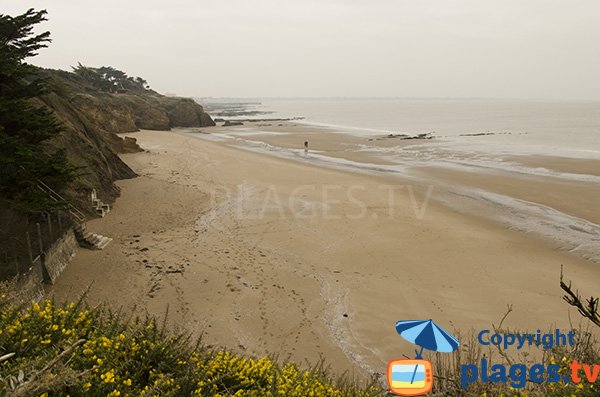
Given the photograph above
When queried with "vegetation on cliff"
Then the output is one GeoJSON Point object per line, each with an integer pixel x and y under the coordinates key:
{"type": "Point", "coordinates": [109, 79]}
{"type": "Point", "coordinates": [116, 102]}
{"type": "Point", "coordinates": [94, 116]}
{"type": "Point", "coordinates": [60, 128]}
{"type": "Point", "coordinates": [26, 126]}
{"type": "Point", "coordinates": [53, 122]}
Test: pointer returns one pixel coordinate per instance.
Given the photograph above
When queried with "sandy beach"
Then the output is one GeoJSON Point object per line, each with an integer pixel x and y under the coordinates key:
{"type": "Point", "coordinates": [272, 255]}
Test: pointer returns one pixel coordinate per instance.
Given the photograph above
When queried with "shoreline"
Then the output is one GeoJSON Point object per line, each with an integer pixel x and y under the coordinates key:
{"type": "Point", "coordinates": [552, 197]}
{"type": "Point", "coordinates": [328, 282]}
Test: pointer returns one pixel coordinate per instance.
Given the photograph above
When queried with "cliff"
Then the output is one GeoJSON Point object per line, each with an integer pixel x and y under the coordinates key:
{"type": "Point", "coordinates": [92, 116]}
{"type": "Point", "coordinates": [125, 112]}
{"type": "Point", "coordinates": [92, 120]}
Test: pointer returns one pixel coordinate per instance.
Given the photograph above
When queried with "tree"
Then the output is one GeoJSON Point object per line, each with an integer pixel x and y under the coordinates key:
{"type": "Point", "coordinates": [142, 82]}
{"type": "Point", "coordinates": [25, 128]}
{"type": "Point", "coordinates": [109, 79]}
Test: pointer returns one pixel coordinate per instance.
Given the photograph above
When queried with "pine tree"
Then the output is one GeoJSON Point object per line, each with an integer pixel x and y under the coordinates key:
{"type": "Point", "coordinates": [25, 128]}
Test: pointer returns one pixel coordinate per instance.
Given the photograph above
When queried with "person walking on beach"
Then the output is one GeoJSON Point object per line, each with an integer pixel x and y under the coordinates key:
{"type": "Point", "coordinates": [305, 148]}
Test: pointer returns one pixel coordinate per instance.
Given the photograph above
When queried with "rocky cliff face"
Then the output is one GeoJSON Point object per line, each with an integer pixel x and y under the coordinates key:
{"type": "Point", "coordinates": [130, 112]}
{"type": "Point", "coordinates": [185, 112]}
{"type": "Point", "coordinates": [93, 119]}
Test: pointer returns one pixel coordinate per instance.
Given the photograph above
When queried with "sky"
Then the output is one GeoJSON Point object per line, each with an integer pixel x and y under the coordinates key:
{"type": "Point", "coordinates": [546, 49]}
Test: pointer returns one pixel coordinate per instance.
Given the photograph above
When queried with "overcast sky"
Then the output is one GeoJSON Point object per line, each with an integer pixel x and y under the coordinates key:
{"type": "Point", "coordinates": [395, 48]}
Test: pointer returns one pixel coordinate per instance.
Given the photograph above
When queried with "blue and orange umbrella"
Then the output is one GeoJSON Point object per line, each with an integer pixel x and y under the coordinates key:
{"type": "Point", "coordinates": [427, 335]}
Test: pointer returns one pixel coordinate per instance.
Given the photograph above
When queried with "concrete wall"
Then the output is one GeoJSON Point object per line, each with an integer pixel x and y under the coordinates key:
{"type": "Point", "coordinates": [46, 268]}
{"type": "Point", "coordinates": [31, 284]}
{"type": "Point", "coordinates": [59, 255]}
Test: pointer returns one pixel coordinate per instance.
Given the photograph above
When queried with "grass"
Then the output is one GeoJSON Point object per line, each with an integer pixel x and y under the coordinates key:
{"type": "Point", "coordinates": [447, 367]}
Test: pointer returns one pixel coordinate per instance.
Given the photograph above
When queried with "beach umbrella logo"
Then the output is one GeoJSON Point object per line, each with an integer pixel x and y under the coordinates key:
{"type": "Point", "coordinates": [414, 377]}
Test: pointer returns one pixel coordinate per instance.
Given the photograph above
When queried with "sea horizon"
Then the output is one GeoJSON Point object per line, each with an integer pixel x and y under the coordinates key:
{"type": "Point", "coordinates": [556, 127]}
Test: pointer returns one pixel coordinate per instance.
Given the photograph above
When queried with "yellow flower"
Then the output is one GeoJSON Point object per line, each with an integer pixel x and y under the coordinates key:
{"type": "Point", "coordinates": [108, 377]}
{"type": "Point", "coordinates": [127, 382]}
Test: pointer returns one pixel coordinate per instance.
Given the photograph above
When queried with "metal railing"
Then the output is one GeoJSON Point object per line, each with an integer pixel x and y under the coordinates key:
{"type": "Point", "coordinates": [35, 234]}
{"type": "Point", "coordinates": [19, 249]}
{"type": "Point", "coordinates": [73, 211]}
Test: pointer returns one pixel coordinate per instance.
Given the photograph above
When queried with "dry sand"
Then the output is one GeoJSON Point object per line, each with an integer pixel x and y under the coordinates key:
{"type": "Point", "coordinates": [272, 256]}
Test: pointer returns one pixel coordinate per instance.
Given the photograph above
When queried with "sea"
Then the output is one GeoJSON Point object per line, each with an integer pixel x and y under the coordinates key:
{"type": "Point", "coordinates": [566, 128]}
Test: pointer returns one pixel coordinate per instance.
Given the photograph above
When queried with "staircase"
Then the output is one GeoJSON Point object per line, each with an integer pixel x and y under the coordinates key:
{"type": "Point", "coordinates": [84, 238]}
{"type": "Point", "coordinates": [101, 208]}
{"type": "Point", "coordinates": [90, 240]}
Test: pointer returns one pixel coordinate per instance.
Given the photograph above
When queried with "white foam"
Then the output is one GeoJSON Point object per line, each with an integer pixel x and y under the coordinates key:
{"type": "Point", "coordinates": [252, 132]}
{"type": "Point", "coordinates": [576, 235]}
{"type": "Point", "coordinates": [443, 156]}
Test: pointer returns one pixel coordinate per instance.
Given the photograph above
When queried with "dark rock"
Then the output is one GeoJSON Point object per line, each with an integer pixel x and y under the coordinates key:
{"type": "Point", "coordinates": [426, 135]}
{"type": "Point", "coordinates": [230, 123]}
{"type": "Point", "coordinates": [478, 134]}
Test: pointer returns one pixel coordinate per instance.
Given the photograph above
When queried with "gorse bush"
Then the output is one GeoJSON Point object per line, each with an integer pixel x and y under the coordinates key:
{"type": "Point", "coordinates": [73, 350]}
